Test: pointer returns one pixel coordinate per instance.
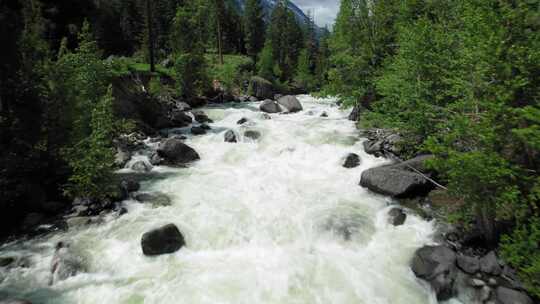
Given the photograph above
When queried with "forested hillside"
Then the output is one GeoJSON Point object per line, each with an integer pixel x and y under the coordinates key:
{"type": "Point", "coordinates": [459, 79]}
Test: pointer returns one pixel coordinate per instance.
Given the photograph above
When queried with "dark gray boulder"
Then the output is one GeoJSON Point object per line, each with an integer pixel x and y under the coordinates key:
{"type": "Point", "coordinates": [352, 160]}
{"type": "Point", "coordinates": [396, 217]}
{"type": "Point", "coordinates": [436, 265]}
{"type": "Point", "coordinates": [510, 296]}
{"type": "Point", "coordinates": [355, 113]}
{"type": "Point", "coordinates": [395, 182]}
{"type": "Point", "coordinates": [324, 114]}
{"type": "Point", "coordinates": [490, 264]}
{"type": "Point", "coordinates": [230, 136]}
{"type": "Point", "coordinates": [468, 264]}
{"type": "Point", "coordinates": [270, 106]}
{"type": "Point", "coordinates": [290, 103]}
{"type": "Point", "coordinates": [180, 119]}
{"type": "Point", "coordinates": [261, 88]}
{"type": "Point", "coordinates": [373, 147]}
{"type": "Point", "coordinates": [201, 117]}
{"type": "Point", "coordinates": [163, 240]}
{"type": "Point", "coordinates": [252, 134]}
{"type": "Point", "coordinates": [175, 153]}
{"type": "Point", "coordinates": [198, 130]}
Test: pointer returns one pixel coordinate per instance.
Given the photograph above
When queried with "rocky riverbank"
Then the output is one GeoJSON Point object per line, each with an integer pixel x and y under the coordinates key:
{"type": "Point", "coordinates": [458, 267]}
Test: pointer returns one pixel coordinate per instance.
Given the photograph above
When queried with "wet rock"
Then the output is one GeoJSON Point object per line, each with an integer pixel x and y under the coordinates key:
{"type": "Point", "coordinates": [266, 116]}
{"type": "Point", "coordinates": [398, 180]}
{"type": "Point", "coordinates": [253, 99]}
{"type": "Point", "coordinates": [180, 119]}
{"type": "Point", "coordinates": [198, 131]}
{"type": "Point", "coordinates": [261, 88]}
{"type": "Point", "coordinates": [164, 240]}
{"type": "Point", "coordinates": [6, 261]}
{"type": "Point", "coordinates": [436, 265]}
{"type": "Point", "coordinates": [205, 127]}
{"type": "Point", "coordinates": [270, 106]}
{"type": "Point", "coordinates": [156, 199]}
{"type": "Point", "coordinates": [373, 147]}
{"type": "Point", "coordinates": [396, 216]}
{"type": "Point", "coordinates": [324, 114]}
{"type": "Point", "coordinates": [141, 166]}
{"type": "Point", "coordinates": [290, 103]}
{"type": "Point", "coordinates": [381, 141]}
{"type": "Point", "coordinates": [230, 136]}
{"type": "Point", "coordinates": [182, 106]}
{"type": "Point", "coordinates": [174, 152]}
{"type": "Point", "coordinates": [155, 159]}
{"type": "Point", "coordinates": [243, 120]}
{"type": "Point", "coordinates": [468, 264]}
{"type": "Point", "coordinates": [201, 117]}
{"type": "Point", "coordinates": [121, 158]}
{"type": "Point", "coordinates": [65, 263]}
{"type": "Point", "coordinates": [351, 161]}
{"type": "Point", "coordinates": [355, 113]}
{"type": "Point", "coordinates": [490, 264]}
{"type": "Point", "coordinates": [129, 185]}
{"type": "Point", "coordinates": [510, 296]}
{"type": "Point", "coordinates": [78, 221]}
{"type": "Point", "coordinates": [254, 135]}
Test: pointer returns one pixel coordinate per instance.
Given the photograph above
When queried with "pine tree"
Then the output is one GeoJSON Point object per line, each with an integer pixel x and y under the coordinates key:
{"type": "Point", "coordinates": [254, 27]}
{"type": "Point", "coordinates": [265, 65]}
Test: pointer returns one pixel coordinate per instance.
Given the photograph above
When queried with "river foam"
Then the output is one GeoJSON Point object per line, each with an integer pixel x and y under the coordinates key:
{"type": "Point", "coordinates": [277, 220]}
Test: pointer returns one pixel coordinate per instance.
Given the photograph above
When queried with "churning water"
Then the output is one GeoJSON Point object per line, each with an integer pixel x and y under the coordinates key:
{"type": "Point", "coordinates": [277, 220]}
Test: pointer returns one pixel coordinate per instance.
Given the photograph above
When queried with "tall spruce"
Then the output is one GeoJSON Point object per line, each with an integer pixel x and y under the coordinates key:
{"type": "Point", "coordinates": [254, 27]}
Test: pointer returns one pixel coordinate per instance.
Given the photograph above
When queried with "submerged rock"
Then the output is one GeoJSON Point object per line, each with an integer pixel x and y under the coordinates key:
{"type": "Point", "coordinates": [270, 106]}
{"type": "Point", "coordinates": [396, 216]}
{"type": "Point", "coordinates": [351, 161]}
{"type": "Point", "coordinates": [242, 121]}
{"type": "Point", "coordinates": [156, 199]}
{"type": "Point", "coordinates": [198, 131]}
{"type": "Point", "coordinates": [65, 263]}
{"type": "Point", "coordinates": [6, 261]}
{"type": "Point", "coordinates": [436, 265]}
{"type": "Point", "coordinates": [290, 103]}
{"type": "Point", "coordinates": [201, 117]}
{"type": "Point", "coordinates": [174, 152]}
{"type": "Point", "coordinates": [230, 136]}
{"type": "Point", "coordinates": [252, 134]}
{"type": "Point", "coordinates": [141, 166]}
{"type": "Point", "coordinates": [163, 240]}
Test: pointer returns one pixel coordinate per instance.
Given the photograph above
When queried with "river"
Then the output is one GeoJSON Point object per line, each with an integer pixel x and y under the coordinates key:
{"type": "Point", "coordinates": [277, 220]}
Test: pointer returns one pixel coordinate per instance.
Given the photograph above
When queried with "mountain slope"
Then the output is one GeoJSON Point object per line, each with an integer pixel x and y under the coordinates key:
{"type": "Point", "coordinates": [269, 6]}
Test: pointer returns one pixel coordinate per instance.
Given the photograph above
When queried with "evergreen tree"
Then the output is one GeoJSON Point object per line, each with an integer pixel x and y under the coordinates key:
{"type": "Point", "coordinates": [265, 65]}
{"type": "Point", "coordinates": [254, 27]}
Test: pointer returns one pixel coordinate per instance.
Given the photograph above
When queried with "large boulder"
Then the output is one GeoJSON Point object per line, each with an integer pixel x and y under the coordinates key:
{"type": "Point", "coordinates": [436, 265]}
{"type": "Point", "coordinates": [163, 240]}
{"type": "Point", "coordinates": [175, 153]}
{"type": "Point", "coordinates": [65, 263]}
{"type": "Point", "coordinates": [290, 103]}
{"type": "Point", "coordinates": [398, 180]}
{"type": "Point", "coordinates": [510, 296]}
{"type": "Point", "coordinates": [355, 113]}
{"type": "Point", "coordinates": [261, 88]}
{"type": "Point", "coordinates": [270, 106]}
{"type": "Point", "coordinates": [180, 119]}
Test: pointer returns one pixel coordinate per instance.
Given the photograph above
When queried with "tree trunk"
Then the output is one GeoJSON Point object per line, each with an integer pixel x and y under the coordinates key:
{"type": "Point", "coordinates": [149, 21]}
{"type": "Point", "coordinates": [485, 219]}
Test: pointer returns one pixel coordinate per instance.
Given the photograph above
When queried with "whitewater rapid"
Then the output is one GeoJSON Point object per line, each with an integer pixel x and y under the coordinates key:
{"type": "Point", "coordinates": [277, 220]}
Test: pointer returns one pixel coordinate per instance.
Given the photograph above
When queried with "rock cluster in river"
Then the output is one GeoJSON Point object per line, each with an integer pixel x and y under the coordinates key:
{"type": "Point", "coordinates": [175, 153]}
{"type": "Point", "coordinates": [285, 104]}
{"type": "Point", "coordinates": [471, 279]}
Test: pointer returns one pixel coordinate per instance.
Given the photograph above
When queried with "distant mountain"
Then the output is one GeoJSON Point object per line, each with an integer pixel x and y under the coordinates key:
{"type": "Point", "coordinates": [269, 6]}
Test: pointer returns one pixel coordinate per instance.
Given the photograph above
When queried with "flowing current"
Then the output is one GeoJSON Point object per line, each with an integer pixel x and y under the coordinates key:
{"type": "Point", "coordinates": [276, 220]}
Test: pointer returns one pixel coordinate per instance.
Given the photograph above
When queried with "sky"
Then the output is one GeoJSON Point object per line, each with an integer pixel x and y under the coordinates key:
{"type": "Point", "coordinates": [325, 11]}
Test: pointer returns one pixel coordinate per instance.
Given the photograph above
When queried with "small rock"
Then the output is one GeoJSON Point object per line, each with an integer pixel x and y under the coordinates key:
{"type": "Point", "coordinates": [396, 216]}
{"type": "Point", "coordinates": [492, 282]}
{"type": "Point", "coordinates": [141, 166]}
{"type": "Point", "coordinates": [156, 199]}
{"type": "Point", "coordinates": [122, 211]}
{"type": "Point", "coordinates": [205, 127]}
{"type": "Point", "coordinates": [266, 116]}
{"type": "Point", "coordinates": [182, 106]}
{"type": "Point", "coordinates": [485, 293]}
{"type": "Point", "coordinates": [230, 136]}
{"type": "Point", "coordinates": [164, 240]}
{"type": "Point", "coordinates": [201, 117]}
{"type": "Point", "coordinates": [254, 135]}
{"type": "Point", "coordinates": [198, 131]}
{"type": "Point", "coordinates": [243, 120]}
{"type": "Point", "coordinates": [490, 264]}
{"type": "Point", "coordinates": [477, 283]}
{"type": "Point", "coordinates": [130, 185]}
{"type": "Point", "coordinates": [253, 99]}
{"type": "Point", "coordinates": [155, 160]}
{"type": "Point", "coordinates": [351, 161]}
{"type": "Point", "coordinates": [324, 114]}
{"type": "Point", "coordinates": [468, 264]}
{"type": "Point", "coordinates": [180, 119]}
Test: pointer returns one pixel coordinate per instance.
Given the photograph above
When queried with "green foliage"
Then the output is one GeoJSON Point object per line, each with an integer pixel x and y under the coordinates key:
{"type": "Point", "coordinates": [233, 72]}
{"type": "Point", "coordinates": [92, 158]}
{"type": "Point", "coordinates": [265, 66]}
{"type": "Point", "coordinates": [254, 27]}
{"type": "Point", "coordinates": [303, 77]}
{"type": "Point", "coordinates": [191, 74]}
